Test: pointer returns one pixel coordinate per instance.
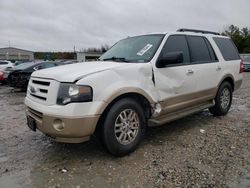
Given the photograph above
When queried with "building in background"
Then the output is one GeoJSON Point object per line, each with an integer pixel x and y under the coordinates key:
{"type": "Point", "coordinates": [11, 53]}
{"type": "Point", "coordinates": [88, 56]}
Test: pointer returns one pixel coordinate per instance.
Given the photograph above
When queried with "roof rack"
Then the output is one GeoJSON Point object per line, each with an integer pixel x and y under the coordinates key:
{"type": "Point", "coordinates": [197, 31]}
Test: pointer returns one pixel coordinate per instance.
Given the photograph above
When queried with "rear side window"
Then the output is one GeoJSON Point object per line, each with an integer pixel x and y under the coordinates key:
{"type": "Point", "coordinates": [199, 49]}
{"type": "Point", "coordinates": [227, 48]}
{"type": "Point", "coordinates": [176, 43]}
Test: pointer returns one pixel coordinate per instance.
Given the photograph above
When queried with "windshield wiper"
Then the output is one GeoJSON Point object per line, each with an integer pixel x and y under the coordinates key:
{"type": "Point", "coordinates": [116, 59]}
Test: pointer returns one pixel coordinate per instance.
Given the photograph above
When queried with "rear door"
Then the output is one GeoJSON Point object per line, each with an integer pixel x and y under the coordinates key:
{"type": "Point", "coordinates": [206, 66]}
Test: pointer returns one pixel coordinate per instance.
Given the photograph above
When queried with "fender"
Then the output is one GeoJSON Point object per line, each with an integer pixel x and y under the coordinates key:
{"type": "Point", "coordinates": [122, 91]}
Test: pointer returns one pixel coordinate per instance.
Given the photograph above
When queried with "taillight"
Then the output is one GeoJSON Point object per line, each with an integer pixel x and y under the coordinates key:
{"type": "Point", "coordinates": [241, 66]}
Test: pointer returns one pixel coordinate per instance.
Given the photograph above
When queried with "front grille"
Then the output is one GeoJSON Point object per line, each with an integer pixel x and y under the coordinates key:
{"type": "Point", "coordinates": [39, 89]}
{"type": "Point", "coordinates": [39, 97]}
{"type": "Point", "coordinates": [42, 90]}
{"type": "Point", "coordinates": [41, 82]}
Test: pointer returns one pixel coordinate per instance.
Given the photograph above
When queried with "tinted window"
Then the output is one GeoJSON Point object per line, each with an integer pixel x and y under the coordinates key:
{"type": "Point", "coordinates": [227, 48]}
{"type": "Point", "coordinates": [199, 50]}
{"type": "Point", "coordinates": [23, 66]}
{"type": "Point", "coordinates": [211, 51]}
{"type": "Point", "coordinates": [176, 43]}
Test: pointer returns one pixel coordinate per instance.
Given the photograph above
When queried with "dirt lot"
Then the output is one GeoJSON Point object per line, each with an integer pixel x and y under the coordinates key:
{"type": "Point", "coordinates": [179, 154]}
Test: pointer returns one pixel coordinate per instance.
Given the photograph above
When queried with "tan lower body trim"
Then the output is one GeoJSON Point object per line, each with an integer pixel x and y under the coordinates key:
{"type": "Point", "coordinates": [71, 130]}
{"type": "Point", "coordinates": [178, 114]}
{"type": "Point", "coordinates": [176, 103]}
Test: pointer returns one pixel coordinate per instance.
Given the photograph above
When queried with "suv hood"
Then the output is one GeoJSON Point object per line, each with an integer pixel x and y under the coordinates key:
{"type": "Point", "coordinates": [73, 72]}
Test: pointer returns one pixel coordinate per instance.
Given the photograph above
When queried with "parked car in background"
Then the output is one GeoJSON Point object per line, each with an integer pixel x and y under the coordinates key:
{"type": "Point", "coordinates": [246, 63]}
{"type": "Point", "coordinates": [4, 64]}
{"type": "Point", "coordinates": [20, 78]}
{"type": "Point", "coordinates": [21, 66]}
{"type": "Point", "coordinates": [20, 62]}
{"type": "Point", "coordinates": [1, 77]}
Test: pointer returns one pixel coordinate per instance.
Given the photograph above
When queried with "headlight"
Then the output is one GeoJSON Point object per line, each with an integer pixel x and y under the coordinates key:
{"type": "Point", "coordinates": [69, 93]}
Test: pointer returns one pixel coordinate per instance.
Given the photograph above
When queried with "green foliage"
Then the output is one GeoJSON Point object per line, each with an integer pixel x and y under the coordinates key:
{"type": "Point", "coordinates": [241, 37]}
{"type": "Point", "coordinates": [67, 55]}
{"type": "Point", "coordinates": [102, 49]}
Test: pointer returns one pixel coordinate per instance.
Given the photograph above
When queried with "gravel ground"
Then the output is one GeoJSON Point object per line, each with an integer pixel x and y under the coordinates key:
{"type": "Point", "coordinates": [196, 151]}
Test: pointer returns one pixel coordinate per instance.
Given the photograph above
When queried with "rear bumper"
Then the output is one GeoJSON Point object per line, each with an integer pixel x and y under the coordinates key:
{"type": "Point", "coordinates": [246, 67]}
{"type": "Point", "coordinates": [68, 130]}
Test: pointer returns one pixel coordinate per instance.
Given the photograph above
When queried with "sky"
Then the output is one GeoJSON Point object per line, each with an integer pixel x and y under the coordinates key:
{"type": "Point", "coordinates": [59, 25]}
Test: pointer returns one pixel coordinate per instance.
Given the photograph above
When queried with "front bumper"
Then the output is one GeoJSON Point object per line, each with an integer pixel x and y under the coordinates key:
{"type": "Point", "coordinates": [64, 129]}
{"type": "Point", "coordinates": [67, 129]}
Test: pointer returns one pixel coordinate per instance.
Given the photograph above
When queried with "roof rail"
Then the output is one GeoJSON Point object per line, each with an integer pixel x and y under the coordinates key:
{"type": "Point", "coordinates": [197, 31]}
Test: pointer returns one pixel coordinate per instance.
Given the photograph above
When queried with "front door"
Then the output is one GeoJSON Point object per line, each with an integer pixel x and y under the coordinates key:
{"type": "Point", "coordinates": [175, 83]}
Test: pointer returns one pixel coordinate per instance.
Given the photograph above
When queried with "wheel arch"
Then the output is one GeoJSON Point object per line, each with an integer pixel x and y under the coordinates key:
{"type": "Point", "coordinates": [229, 78]}
{"type": "Point", "coordinates": [144, 100]}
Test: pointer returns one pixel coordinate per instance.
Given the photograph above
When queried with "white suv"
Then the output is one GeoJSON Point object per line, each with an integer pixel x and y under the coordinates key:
{"type": "Point", "coordinates": [141, 81]}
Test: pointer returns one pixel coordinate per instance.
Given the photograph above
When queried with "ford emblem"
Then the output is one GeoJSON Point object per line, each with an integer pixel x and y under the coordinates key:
{"type": "Point", "coordinates": [32, 89]}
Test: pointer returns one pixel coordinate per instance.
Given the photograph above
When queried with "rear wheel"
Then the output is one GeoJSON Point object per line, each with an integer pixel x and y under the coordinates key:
{"type": "Point", "coordinates": [124, 127]}
{"type": "Point", "coordinates": [223, 100]}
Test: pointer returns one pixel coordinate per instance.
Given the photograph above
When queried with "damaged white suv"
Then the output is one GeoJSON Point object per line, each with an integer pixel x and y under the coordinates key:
{"type": "Point", "coordinates": [141, 81]}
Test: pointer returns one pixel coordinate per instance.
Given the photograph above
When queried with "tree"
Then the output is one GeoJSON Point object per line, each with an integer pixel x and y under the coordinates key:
{"type": "Point", "coordinates": [102, 49]}
{"type": "Point", "coordinates": [241, 37]}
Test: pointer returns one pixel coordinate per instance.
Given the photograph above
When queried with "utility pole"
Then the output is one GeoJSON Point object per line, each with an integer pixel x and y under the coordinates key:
{"type": "Point", "coordinates": [74, 52]}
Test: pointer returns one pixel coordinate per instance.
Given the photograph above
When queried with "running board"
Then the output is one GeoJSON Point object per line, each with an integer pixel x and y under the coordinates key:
{"type": "Point", "coordinates": [178, 114]}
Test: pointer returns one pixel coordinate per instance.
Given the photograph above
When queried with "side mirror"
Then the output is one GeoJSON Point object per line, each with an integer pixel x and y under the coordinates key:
{"type": "Point", "coordinates": [170, 58]}
{"type": "Point", "coordinates": [37, 68]}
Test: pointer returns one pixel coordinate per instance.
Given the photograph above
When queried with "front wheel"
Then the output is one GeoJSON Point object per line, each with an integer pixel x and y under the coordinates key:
{"type": "Point", "coordinates": [223, 100]}
{"type": "Point", "coordinates": [124, 127]}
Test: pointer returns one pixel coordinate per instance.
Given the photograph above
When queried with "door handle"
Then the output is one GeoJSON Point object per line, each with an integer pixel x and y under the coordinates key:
{"type": "Point", "coordinates": [190, 71]}
{"type": "Point", "coordinates": [218, 68]}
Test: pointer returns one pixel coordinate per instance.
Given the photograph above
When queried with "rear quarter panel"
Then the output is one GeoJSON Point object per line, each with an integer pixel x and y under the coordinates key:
{"type": "Point", "coordinates": [229, 68]}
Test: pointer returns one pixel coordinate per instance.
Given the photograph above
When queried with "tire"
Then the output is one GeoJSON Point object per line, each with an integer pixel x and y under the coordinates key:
{"type": "Point", "coordinates": [117, 129]}
{"type": "Point", "coordinates": [223, 100]}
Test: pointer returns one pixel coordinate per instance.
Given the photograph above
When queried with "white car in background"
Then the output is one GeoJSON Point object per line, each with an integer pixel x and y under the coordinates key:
{"type": "Point", "coordinates": [246, 63]}
{"type": "Point", "coordinates": [4, 64]}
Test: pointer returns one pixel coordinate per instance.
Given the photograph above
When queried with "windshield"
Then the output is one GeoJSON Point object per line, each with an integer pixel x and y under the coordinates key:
{"type": "Point", "coordinates": [134, 49]}
{"type": "Point", "coordinates": [23, 66]}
